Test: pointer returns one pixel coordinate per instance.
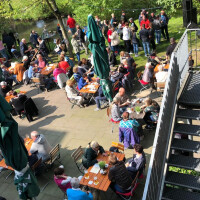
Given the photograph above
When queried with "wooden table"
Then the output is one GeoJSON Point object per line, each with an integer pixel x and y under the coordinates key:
{"type": "Point", "coordinates": [165, 68]}
{"type": "Point", "coordinates": [8, 98]}
{"type": "Point", "coordinates": [28, 143]}
{"type": "Point", "coordinates": [46, 71]}
{"type": "Point", "coordinates": [103, 180]}
{"type": "Point", "coordinates": [86, 89]}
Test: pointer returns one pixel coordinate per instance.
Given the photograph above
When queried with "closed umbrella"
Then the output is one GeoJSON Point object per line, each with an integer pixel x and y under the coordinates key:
{"type": "Point", "coordinates": [15, 153]}
{"type": "Point", "coordinates": [100, 56]}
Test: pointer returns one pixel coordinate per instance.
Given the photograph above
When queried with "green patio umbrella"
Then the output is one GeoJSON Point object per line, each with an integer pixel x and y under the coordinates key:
{"type": "Point", "coordinates": [100, 56]}
{"type": "Point", "coordinates": [15, 153]}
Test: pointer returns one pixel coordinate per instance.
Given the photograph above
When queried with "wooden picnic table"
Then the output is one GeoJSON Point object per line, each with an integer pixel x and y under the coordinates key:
{"type": "Point", "coordinates": [28, 143]}
{"type": "Point", "coordinates": [103, 180]}
{"type": "Point", "coordinates": [8, 98]}
{"type": "Point", "coordinates": [46, 71]}
{"type": "Point", "coordinates": [165, 67]}
{"type": "Point", "coordinates": [87, 89]}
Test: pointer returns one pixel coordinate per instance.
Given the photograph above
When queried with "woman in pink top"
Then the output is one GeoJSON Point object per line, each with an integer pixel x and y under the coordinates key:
{"type": "Point", "coordinates": [3, 50]}
{"type": "Point", "coordinates": [57, 71]}
{"type": "Point", "coordinates": [41, 62]}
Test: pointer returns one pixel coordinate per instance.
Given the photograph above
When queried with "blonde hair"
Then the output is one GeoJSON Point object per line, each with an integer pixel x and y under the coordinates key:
{"type": "Point", "coordinates": [75, 69]}
{"type": "Point", "coordinates": [148, 101]}
{"type": "Point", "coordinates": [122, 53]}
{"type": "Point", "coordinates": [70, 83]}
{"type": "Point", "coordinates": [115, 101]}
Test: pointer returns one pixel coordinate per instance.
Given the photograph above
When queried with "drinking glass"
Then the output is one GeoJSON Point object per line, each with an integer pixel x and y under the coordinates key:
{"type": "Point", "coordinates": [86, 174]}
{"type": "Point", "coordinates": [96, 180]}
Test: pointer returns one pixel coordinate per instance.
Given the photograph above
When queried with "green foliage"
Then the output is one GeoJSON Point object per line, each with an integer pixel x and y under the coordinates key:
{"type": "Point", "coordinates": [184, 171]}
{"type": "Point", "coordinates": [102, 164]}
{"type": "Point", "coordinates": [137, 109]}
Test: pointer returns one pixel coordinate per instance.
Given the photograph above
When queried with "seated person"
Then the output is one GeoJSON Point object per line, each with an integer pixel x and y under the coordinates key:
{"type": "Point", "coordinates": [76, 193]}
{"type": "Point", "coordinates": [72, 93]}
{"type": "Point", "coordinates": [41, 62]}
{"type": "Point", "coordinates": [58, 71]}
{"type": "Point", "coordinates": [76, 74]}
{"type": "Point", "coordinates": [5, 89]}
{"type": "Point", "coordinates": [31, 70]}
{"type": "Point", "coordinates": [119, 74]}
{"type": "Point", "coordinates": [138, 162]}
{"type": "Point", "coordinates": [124, 100]}
{"type": "Point", "coordinates": [26, 62]}
{"type": "Point", "coordinates": [99, 98]}
{"type": "Point", "coordinates": [151, 110]}
{"type": "Point", "coordinates": [128, 123]}
{"type": "Point", "coordinates": [115, 112]}
{"type": "Point", "coordinates": [119, 175]}
{"type": "Point", "coordinates": [18, 102]}
{"type": "Point", "coordinates": [81, 69]}
{"type": "Point", "coordinates": [86, 63]}
{"type": "Point", "coordinates": [148, 73]}
{"type": "Point", "coordinates": [111, 57]}
{"type": "Point", "coordinates": [122, 56]}
{"type": "Point", "coordinates": [91, 153]}
{"type": "Point", "coordinates": [170, 48]}
{"type": "Point", "coordinates": [83, 81]}
{"type": "Point", "coordinates": [9, 78]}
{"type": "Point", "coordinates": [161, 76]}
{"type": "Point", "coordinates": [40, 145]}
{"type": "Point", "coordinates": [57, 48]}
{"type": "Point", "coordinates": [16, 53]}
{"type": "Point", "coordinates": [63, 64]}
{"type": "Point", "coordinates": [19, 71]}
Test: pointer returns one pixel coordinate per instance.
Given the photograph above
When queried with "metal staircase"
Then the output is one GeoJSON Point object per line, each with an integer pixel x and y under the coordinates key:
{"type": "Point", "coordinates": [180, 186]}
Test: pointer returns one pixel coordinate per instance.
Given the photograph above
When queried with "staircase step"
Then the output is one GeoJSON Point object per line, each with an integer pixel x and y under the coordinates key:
{"type": "Point", "coordinates": [187, 129]}
{"type": "Point", "coordinates": [183, 180]}
{"type": "Point", "coordinates": [186, 162]}
{"type": "Point", "coordinates": [188, 114]}
{"type": "Point", "coordinates": [178, 194]}
{"type": "Point", "coordinates": [186, 145]}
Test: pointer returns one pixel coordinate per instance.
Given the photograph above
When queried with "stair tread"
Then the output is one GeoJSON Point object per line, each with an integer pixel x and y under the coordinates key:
{"type": "Point", "coordinates": [183, 180]}
{"type": "Point", "coordinates": [186, 145]}
{"type": "Point", "coordinates": [188, 114]}
{"type": "Point", "coordinates": [187, 129]}
{"type": "Point", "coordinates": [177, 194]}
{"type": "Point", "coordinates": [186, 162]}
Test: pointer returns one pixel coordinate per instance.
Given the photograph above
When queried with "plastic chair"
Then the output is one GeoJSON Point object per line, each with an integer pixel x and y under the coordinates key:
{"type": "Point", "coordinates": [118, 145]}
{"type": "Point", "coordinates": [111, 120]}
{"type": "Point", "coordinates": [142, 83]}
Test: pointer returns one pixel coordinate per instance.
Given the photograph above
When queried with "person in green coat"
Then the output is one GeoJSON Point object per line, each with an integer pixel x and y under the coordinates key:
{"type": "Point", "coordinates": [91, 153]}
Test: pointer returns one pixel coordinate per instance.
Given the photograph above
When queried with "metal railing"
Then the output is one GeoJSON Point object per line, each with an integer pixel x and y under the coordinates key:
{"type": "Point", "coordinates": [179, 66]}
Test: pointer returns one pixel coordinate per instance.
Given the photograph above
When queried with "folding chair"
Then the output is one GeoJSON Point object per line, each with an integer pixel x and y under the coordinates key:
{"type": "Point", "coordinates": [77, 155]}
{"type": "Point", "coordinates": [160, 86]}
{"type": "Point", "coordinates": [118, 145]}
{"type": "Point", "coordinates": [34, 167]}
{"type": "Point", "coordinates": [142, 83]}
{"type": "Point", "coordinates": [36, 83]}
{"type": "Point", "coordinates": [54, 156]}
{"type": "Point", "coordinates": [129, 195]}
{"type": "Point", "coordinates": [111, 120]}
{"type": "Point", "coordinates": [72, 101]}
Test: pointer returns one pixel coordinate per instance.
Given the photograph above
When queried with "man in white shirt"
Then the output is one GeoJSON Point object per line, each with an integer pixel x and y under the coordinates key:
{"type": "Point", "coordinates": [127, 37]}
{"type": "Point", "coordinates": [161, 76]}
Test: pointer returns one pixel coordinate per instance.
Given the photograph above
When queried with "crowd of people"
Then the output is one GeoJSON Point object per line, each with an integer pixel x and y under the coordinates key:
{"type": "Point", "coordinates": [73, 78]}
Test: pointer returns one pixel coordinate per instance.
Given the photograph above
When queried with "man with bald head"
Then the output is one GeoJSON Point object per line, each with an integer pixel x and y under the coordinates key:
{"type": "Point", "coordinates": [24, 48]}
{"type": "Point", "coordinates": [123, 98]}
{"type": "Point", "coordinates": [40, 146]}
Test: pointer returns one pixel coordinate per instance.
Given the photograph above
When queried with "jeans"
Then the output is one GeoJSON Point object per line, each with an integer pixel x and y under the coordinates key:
{"type": "Point", "coordinates": [115, 48]}
{"type": "Point", "coordinates": [158, 36]}
{"type": "Point", "coordinates": [116, 187]}
{"type": "Point", "coordinates": [98, 101]}
{"type": "Point", "coordinates": [78, 56]}
{"type": "Point", "coordinates": [73, 30]}
{"type": "Point", "coordinates": [3, 53]}
{"type": "Point", "coordinates": [135, 48]}
{"type": "Point", "coordinates": [146, 47]}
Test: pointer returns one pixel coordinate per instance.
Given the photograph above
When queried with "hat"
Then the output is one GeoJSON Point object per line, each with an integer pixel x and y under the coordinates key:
{"type": "Point", "coordinates": [3, 83]}
{"type": "Point", "coordinates": [24, 58]}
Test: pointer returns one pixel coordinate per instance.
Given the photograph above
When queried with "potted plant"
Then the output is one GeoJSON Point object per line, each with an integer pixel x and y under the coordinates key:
{"type": "Point", "coordinates": [137, 109]}
{"type": "Point", "coordinates": [102, 164]}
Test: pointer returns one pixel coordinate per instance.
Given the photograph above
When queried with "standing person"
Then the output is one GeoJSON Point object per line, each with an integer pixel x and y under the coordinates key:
{"type": "Point", "coordinates": [43, 48]}
{"type": "Point", "coordinates": [152, 17]}
{"type": "Point", "coordinates": [75, 47]}
{"type": "Point", "coordinates": [127, 37]}
{"type": "Point", "coordinates": [9, 41]}
{"type": "Point", "coordinates": [145, 21]}
{"type": "Point", "coordinates": [144, 36]}
{"type": "Point", "coordinates": [108, 35]}
{"type": "Point", "coordinates": [170, 48]}
{"type": "Point", "coordinates": [105, 28]}
{"type": "Point", "coordinates": [120, 29]}
{"type": "Point", "coordinates": [17, 38]}
{"type": "Point", "coordinates": [72, 24]}
{"type": "Point", "coordinates": [164, 25]}
{"type": "Point", "coordinates": [152, 37]}
{"type": "Point", "coordinates": [157, 28]}
{"type": "Point", "coordinates": [135, 42]}
{"type": "Point", "coordinates": [33, 38]}
{"type": "Point", "coordinates": [123, 17]}
{"type": "Point", "coordinates": [3, 51]}
{"type": "Point", "coordinates": [59, 31]}
{"type": "Point", "coordinates": [24, 48]}
{"type": "Point", "coordinates": [113, 21]}
{"type": "Point", "coordinates": [133, 25]}
{"type": "Point", "coordinates": [81, 37]}
{"type": "Point", "coordinates": [114, 40]}
{"type": "Point", "coordinates": [140, 17]}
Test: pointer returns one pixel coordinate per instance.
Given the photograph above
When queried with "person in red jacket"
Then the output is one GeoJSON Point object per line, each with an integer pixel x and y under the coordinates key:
{"type": "Point", "coordinates": [72, 24]}
{"type": "Point", "coordinates": [63, 64]}
{"type": "Point", "coordinates": [146, 22]}
{"type": "Point", "coordinates": [108, 34]}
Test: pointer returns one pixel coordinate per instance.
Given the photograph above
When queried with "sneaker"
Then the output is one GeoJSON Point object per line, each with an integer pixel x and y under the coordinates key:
{"type": "Point", "coordinates": [131, 53]}
{"type": "Point", "coordinates": [136, 55]}
{"type": "Point", "coordinates": [145, 55]}
{"type": "Point", "coordinates": [96, 109]}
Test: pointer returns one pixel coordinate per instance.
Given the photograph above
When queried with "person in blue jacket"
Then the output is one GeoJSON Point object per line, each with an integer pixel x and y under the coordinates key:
{"type": "Point", "coordinates": [83, 81]}
{"type": "Point", "coordinates": [75, 193]}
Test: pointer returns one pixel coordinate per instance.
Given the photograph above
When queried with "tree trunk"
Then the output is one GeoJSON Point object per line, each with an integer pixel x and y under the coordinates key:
{"type": "Point", "coordinates": [53, 7]}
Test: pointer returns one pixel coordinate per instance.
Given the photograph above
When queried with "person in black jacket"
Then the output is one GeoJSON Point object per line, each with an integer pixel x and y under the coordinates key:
{"type": "Point", "coordinates": [144, 36]}
{"type": "Point", "coordinates": [135, 43]}
{"type": "Point", "coordinates": [81, 37]}
{"type": "Point", "coordinates": [24, 48]}
{"type": "Point", "coordinates": [43, 47]}
{"type": "Point", "coordinates": [33, 38]}
{"type": "Point", "coordinates": [138, 162]}
{"type": "Point", "coordinates": [119, 175]}
{"type": "Point", "coordinates": [4, 89]}
{"type": "Point", "coordinates": [91, 154]}
{"type": "Point", "coordinates": [9, 42]}
{"type": "Point", "coordinates": [133, 25]}
{"type": "Point", "coordinates": [111, 57]}
{"type": "Point", "coordinates": [152, 36]}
